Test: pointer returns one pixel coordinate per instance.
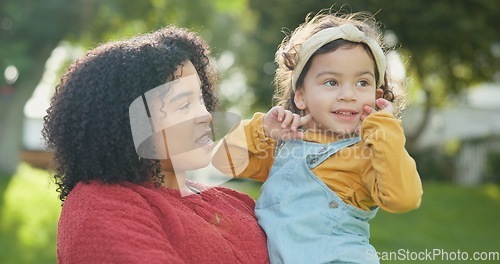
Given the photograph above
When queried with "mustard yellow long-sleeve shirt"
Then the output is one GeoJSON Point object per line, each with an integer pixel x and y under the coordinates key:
{"type": "Point", "coordinates": [377, 171]}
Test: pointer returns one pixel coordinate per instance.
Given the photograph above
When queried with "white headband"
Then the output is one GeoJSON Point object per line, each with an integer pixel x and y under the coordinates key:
{"type": "Point", "coordinates": [348, 32]}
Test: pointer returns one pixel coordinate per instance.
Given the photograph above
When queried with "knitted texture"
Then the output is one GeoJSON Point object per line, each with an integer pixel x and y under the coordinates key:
{"type": "Point", "coordinates": [128, 223]}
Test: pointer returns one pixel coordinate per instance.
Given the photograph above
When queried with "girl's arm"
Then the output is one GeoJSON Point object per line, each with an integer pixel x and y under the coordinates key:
{"type": "Point", "coordinates": [394, 182]}
{"type": "Point", "coordinates": [246, 152]}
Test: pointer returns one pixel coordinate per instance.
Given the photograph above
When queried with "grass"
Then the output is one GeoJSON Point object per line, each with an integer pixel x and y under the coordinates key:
{"type": "Point", "coordinates": [29, 210]}
{"type": "Point", "coordinates": [451, 219]}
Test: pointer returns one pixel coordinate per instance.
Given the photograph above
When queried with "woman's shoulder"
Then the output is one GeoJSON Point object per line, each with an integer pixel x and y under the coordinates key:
{"type": "Point", "coordinates": [96, 196]}
{"type": "Point", "coordinates": [91, 189]}
{"type": "Point", "coordinates": [103, 222]}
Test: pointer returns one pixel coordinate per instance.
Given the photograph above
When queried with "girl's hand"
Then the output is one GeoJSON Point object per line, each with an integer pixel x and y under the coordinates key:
{"type": "Point", "coordinates": [281, 124]}
{"type": "Point", "coordinates": [383, 105]}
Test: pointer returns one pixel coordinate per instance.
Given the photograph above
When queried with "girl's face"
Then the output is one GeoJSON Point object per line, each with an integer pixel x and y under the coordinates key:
{"type": "Point", "coordinates": [336, 87]}
{"type": "Point", "coordinates": [186, 133]}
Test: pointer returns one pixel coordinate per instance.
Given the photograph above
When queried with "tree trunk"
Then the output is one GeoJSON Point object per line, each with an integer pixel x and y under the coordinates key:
{"type": "Point", "coordinates": [412, 139]}
{"type": "Point", "coordinates": [12, 112]}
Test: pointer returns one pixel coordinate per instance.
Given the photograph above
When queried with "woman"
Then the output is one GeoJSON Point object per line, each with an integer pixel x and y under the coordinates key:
{"type": "Point", "coordinates": [124, 192]}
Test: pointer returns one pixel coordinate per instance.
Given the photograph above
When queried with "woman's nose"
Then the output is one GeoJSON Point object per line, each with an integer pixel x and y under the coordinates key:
{"type": "Point", "coordinates": [203, 115]}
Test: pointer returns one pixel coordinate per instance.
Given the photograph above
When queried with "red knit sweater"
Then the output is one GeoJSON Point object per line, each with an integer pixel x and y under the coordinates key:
{"type": "Point", "coordinates": [142, 224]}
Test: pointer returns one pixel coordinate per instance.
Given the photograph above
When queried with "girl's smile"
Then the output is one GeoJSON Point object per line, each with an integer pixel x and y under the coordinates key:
{"type": "Point", "coordinates": [345, 114]}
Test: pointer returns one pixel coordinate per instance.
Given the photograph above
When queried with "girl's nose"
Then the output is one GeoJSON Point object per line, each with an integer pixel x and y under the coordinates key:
{"type": "Point", "coordinates": [347, 93]}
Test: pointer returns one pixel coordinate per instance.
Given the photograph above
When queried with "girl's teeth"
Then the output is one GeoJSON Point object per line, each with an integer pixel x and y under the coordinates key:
{"type": "Point", "coordinates": [345, 113]}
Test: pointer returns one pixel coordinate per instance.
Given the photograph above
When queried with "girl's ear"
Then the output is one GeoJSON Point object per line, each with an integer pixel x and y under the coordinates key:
{"type": "Point", "coordinates": [298, 99]}
{"type": "Point", "coordinates": [378, 93]}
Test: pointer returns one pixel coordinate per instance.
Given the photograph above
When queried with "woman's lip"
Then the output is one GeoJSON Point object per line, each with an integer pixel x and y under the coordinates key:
{"type": "Point", "coordinates": [206, 133]}
{"type": "Point", "coordinates": [205, 138]}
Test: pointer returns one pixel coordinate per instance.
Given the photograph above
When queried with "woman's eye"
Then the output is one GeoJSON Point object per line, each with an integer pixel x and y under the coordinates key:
{"type": "Point", "coordinates": [184, 106]}
{"type": "Point", "coordinates": [331, 83]}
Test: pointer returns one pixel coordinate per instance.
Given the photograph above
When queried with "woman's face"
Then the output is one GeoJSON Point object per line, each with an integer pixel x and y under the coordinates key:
{"type": "Point", "coordinates": [182, 122]}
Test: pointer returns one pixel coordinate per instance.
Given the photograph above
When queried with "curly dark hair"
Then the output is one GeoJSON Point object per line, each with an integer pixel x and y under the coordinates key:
{"type": "Point", "coordinates": [87, 124]}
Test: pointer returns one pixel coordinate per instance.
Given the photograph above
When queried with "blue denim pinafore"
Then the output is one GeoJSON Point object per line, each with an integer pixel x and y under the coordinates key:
{"type": "Point", "coordinates": [305, 221]}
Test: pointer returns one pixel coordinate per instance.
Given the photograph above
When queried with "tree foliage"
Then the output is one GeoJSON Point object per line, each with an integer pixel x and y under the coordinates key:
{"type": "Point", "coordinates": [31, 29]}
{"type": "Point", "coordinates": [457, 42]}
{"type": "Point", "coordinates": [447, 45]}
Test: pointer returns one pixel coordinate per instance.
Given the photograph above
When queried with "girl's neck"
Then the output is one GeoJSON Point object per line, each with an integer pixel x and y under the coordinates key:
{"type": "Point", "coordinates": [328, 135]}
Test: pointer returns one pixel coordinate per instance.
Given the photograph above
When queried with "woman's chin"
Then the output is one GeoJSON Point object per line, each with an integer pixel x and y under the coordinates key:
{"type": "Point", "coordinates": [192, 160]}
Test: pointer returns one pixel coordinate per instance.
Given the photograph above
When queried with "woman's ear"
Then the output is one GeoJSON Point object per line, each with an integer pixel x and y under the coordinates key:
{"type": "Point", "coordinates": [298, 99]}
{"type": "Point", "coordinates": [378, 93]}
{"type": "Point", "coordinates": [178, 71]}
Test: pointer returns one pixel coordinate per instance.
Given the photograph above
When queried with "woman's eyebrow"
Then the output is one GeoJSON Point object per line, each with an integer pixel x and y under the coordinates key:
{"type": "Point", "coordinates": [179, 96]}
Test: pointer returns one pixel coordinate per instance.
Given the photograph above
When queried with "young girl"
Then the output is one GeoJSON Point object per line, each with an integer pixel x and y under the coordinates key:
{"type": "Point", "coordinates": [325, 181]}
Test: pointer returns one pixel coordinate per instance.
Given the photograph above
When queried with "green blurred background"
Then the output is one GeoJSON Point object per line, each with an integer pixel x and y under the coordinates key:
{"type": "Point", "coordinates": [448, 59]}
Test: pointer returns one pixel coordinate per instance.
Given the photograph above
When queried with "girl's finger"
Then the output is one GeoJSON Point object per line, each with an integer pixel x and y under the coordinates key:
{"type": "Point", "coordinates": [382, 103]}
{"type": "Point", "coordinates": [385, 105]}
{"type": "Point", "coordinates": [368, 110]}
{"type": "Point", "coordinates": [305, 119]}
{"type": "Point", "coordinates": [287, 119]}
{"type": "Point", "coordinates": [295, 122]}
{"type": "Point", "coordinates": [280, 113]}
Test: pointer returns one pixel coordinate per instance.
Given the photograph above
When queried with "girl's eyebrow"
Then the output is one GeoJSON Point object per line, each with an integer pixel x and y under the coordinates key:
{"type": "Point", "coordinates": [366, 72]}
{"type": "Point", "coordinates": [328, 73]}
{"type": "Point", "coordinates": [340, 74]}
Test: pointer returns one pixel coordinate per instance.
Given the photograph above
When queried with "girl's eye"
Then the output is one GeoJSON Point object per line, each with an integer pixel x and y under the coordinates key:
{"type": "Point", "coordinates": [331, 83]}
{"type": "Point", "coordinates": [362, 83]}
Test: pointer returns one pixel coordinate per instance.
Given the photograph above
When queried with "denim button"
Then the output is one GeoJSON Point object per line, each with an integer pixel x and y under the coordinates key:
{"type": "Point", "coordinates": [333, 204]}
{"type": "Point", "coordinates": [313, 161]}
{"type": "Point", "coordinates": [323, 149]}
